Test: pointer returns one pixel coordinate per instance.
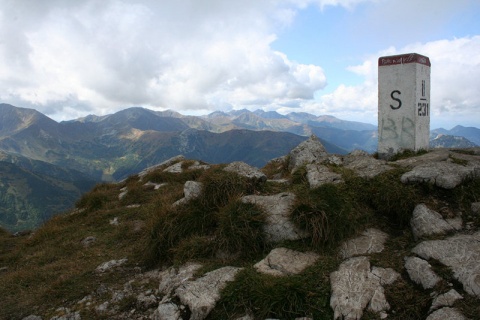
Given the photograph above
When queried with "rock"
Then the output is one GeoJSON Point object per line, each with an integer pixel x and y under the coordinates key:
{"type": "Point", "coordinates": [173, 278]}
{"type": "Point", "coordinates": [165, 163]}
{"type": "Point", "coordinates": [420, 271]}
{"type": "Point", "coordinates": [476, 207]}
{"type": "Point", "coordinates": [156, 186]}
{"type": "Point", "coordinates": [88, 241]}
{"type": "Point", "coordinates": [198, 166]}
{"type": "Point", "coordinates": [446, 314]}
{"type": "Point", "coordinates": [114, 221]}
{"type": "Point", "coordinates": [246, 317]}
{"type": "Point", "coordinates": [355, 286]}
{"type": "Point", "coordinates": [446, 299]}
{"type": "Point", "coordinates": [145, 302]}
{"type": "Point", "coordinates": [371, 241]}
{"type": "Point", "coordinates": [428, 222]}
{"type": "Point", "coordinates": [461, 253]}
{"type": "Point", "coordinates": [277, 207]}
{"type": "Point", "coordinates": [309, 151]}
{"type": "Point", "coordinates": [445, 175]}
{"type": "Point", "coordinates": [191, 190]}
{"type": "Point", "coordinates": [285, 262]}
{"type": "Point", "coordinates": [175, 168]}
{"type": "Point", "coordinates": [67, 314]}
{"type": "Point", "coordinates": [103, 308]}
{"type": "Point", "coordinates": [108, 266]}
{"type": "Point", "coordinates": [167, 311]}
{"type": "Point", "coordinates": [364, 164]}
{"type": "Point", "coordinates": [123, 193]}
{"type": "Point", "coordinates": [247, 171]}
{"type": "Point", "coordinates": [319, 174]}
{"type": "Point", "coordinates": [32, 317]}
{"type": "Point", "coordinates": [202, 294]}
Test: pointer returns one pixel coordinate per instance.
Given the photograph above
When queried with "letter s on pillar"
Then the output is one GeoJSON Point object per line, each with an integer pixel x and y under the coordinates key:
{"type": "Point", "coordinates": [396, 99]}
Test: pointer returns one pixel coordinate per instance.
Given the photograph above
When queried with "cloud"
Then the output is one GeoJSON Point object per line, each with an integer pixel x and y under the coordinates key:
{"type": "Point", "coordinates": [183, 55]}
{"type": "Point", "coordinates": [455, 74]}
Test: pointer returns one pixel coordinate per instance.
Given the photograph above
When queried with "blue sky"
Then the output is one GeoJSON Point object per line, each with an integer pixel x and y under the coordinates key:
{"type": "Point", "coordinates": [69, 58]}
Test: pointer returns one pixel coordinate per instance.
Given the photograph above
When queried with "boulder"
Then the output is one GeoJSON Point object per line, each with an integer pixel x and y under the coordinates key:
{"type": "Point", "coordinates": [426, 222]}
{"type": "Point", "coordinates": [364, 164]}
{"type": "Point", "coordinates": [420, 271]}
{"type": "Point", "coordinates": [246, 170]}
{"type": "Point", "coordinates": [355, 286]}
{"type": "Point", "coordinates": [371, 241]}
{"type": "Point", "coordinates": [318, 175]}
{"type": "Point", "coordinates": [461, 253]}
{"type": "Point", "coordinates": [191, 190]}
{"type": "Point", "coordinates": [202, 294]}
{"type": "Point", "coordinates": [309, 151]}
{"type": "Point", "coordinates": [446, 314]}
{"type": "Point", "coordinates": [167, 310]}
{"type": "Point", "coordinates": [445, 300]}
{"type": "Point", "coordinates": [172, 278]}
{"type": "Point", "coordinates": [285, 262]}
{"type": "Point", "coordinates": [445, 175]}
{"type": "Point", "coordinates": [278, 226]}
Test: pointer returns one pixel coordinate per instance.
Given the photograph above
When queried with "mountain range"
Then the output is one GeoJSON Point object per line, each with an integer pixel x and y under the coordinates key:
{"type": "Point", "coordinates": [57, 161]}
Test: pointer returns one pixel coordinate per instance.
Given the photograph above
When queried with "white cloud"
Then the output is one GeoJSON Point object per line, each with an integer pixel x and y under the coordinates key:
{"type": "Point", "coordinates": [184, 55]}
{"type": "Point", "coordinates": [455, 75]}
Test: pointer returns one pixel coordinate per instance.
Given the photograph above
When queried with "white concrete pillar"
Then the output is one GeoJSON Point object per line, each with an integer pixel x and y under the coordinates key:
{"type": "Point", "coordinates": [403, 104]}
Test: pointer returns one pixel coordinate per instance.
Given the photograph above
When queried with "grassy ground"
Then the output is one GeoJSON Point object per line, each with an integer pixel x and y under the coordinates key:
{"type": "Point", "coordinates": [52, 268]}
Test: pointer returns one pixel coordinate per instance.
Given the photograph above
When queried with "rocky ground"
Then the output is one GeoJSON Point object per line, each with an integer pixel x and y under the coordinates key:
{"type": "Point", "coordinates": [443, 260]}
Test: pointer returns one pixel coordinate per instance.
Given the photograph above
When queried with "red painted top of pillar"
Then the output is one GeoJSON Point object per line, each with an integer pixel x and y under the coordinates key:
{"type": "Point", "coordinates": [403, 58]}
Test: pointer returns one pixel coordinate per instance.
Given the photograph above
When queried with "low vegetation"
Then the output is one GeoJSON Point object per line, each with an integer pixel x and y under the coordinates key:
{"type": "Point", "coordinates": [53, 266]}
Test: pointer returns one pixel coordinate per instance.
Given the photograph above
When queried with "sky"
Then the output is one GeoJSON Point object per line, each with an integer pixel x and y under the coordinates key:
{"type": "Point", "coordinates": [71, 58]}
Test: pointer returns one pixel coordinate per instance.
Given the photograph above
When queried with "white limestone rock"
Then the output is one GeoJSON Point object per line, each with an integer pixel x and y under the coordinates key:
{"type": "Point", "coordinates": [172, 278]}
{"type": "Point", "coordinates": [318, 175]}
{"type": "Point", "coordinates": [355, 286]}
{"type": "Point", "coordinates": [156, 186]}
{"type": "Point", "coordinates": [110, 265]}
{"type": "Point", "coordinates": [167, 311]}
{"type": "Point", "coordinates": [309, 151]}
{"type": "Point", "coordinates": [165, 163]}
{"type": "Point", "coordinates": [202, 294]}
{"type": "Point", "coordinates": [371, 241]}
{"type": "Point", "coordinates": [426, 222]}
{"type": "Point", "coordinates": [364, 164]}
{"type": "Point", "coordinates": [445, 300]}
{"type": "Point", "coordinates": [285, 262]}
{"type": "Point", "coordinates": [278, 226]}
{"type": "Point", "coordinates": [461, 253]}
{"type": "Point", "coordinates": [246, 170]}
{"type": "Point", "coordinates": [191, 190]}
{"type": "Point", "coordinates": [445, 174]}
{"type": "Point", "coordinates": [420, 271]}
{"type": "Point", "coordinates": [446, 314]}
{"type": "Point", "coordinates": [175, 168]}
